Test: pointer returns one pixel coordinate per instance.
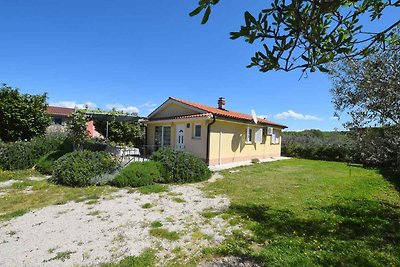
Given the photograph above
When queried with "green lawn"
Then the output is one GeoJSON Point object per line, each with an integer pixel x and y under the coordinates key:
{"type": "Point", "coordinates": [310, 213]}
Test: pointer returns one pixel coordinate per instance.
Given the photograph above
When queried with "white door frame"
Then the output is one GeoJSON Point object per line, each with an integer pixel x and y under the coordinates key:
{"type": "Point", "coordinates": [180, 137]}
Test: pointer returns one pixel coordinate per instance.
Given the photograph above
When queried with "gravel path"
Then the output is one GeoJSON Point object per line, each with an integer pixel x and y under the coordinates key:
{"type": "Point", "coordinates": [113, 228]}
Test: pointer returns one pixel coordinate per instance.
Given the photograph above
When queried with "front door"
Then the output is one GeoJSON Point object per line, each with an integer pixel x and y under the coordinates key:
{"type": "Point", "coordinates": [180, 137]}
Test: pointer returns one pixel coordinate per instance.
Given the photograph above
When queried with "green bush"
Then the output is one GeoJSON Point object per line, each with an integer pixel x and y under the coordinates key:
{"type": "Point", "coordinates": [180, 166]}
{"type": "Point", "coordinates": [24, 154]}
{"type": "Point", "coordinates": [138, 174]}
{"type": "Point", "coordinates": [79, 167]}
{"type": "Point", "coordinates": [46, 163]}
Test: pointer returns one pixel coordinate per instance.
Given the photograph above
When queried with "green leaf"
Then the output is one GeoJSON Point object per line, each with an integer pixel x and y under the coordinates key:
{"type": "Point", "coordinates": [323, 69]}
{"type": "Point", "coordinates": [196, 11]}
{"type": "Point", "coordinates": [206, 15]}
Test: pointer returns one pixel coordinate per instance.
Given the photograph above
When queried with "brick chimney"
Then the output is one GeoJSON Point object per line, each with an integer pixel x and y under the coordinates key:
{"type": "Point", "coordinates": [221, 103]}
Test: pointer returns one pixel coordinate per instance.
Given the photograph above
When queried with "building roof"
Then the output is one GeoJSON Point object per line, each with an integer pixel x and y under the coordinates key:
{"type": "Point", "coordinates": [197, 115]}
{"type": "Point", "coordinates": [226, 113]}
{"type": "Point", "coordinates": [60, 111]}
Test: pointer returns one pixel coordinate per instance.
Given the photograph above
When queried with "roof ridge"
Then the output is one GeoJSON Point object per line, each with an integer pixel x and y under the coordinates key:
{"type": "Point", "coordinates": [224, 112]}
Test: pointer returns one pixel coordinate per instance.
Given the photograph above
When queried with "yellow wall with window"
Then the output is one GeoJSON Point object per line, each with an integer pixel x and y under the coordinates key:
{"type": "Point", "coordinates": [193, 144]}
{"type": "Point", "coordinates": [228, 143]}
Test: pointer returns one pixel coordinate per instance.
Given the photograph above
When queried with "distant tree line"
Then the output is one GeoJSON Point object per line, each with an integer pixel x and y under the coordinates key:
{"type": "Point", "coordinates": [369, 146]}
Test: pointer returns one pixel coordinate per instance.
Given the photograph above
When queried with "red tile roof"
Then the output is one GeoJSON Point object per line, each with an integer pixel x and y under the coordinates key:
{"type": "Point", "coordinates": [197, 115]}
{"type": "Point", "coordinates": [226, 113]}
{"type": "Point", "coordinates": [60, 111]}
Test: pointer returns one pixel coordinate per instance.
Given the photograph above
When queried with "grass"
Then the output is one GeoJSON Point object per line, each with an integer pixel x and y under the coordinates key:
{"type": "Point", "coordinates": [165, 234]}
{"type": "Point", "coordinates": [154, 188]}
{"type": "Point", "coordinates": [312, 213]}
{"type": "Point", "coordinates": [178, 200]}
{"type": "Point", "coordinates": [62, 256]}
{"type": "Point", "coordinates": [147, 258]}
{"type": "Point", "coordinates": [156, 224]}
{"type": "Point", "coordinates": [16, 175]}
{"type": "Point", "coordinates": [16, 203]}
{"type": "Point", "coordinates": [147, 206]}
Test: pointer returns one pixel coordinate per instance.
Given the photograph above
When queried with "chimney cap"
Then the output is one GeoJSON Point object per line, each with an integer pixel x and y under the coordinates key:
{"type": "Point", "coordinates": [221, 103]}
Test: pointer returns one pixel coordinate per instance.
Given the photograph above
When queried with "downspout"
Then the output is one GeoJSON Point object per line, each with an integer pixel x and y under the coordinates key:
{"type": "Point", "coordinates": [208, 140]}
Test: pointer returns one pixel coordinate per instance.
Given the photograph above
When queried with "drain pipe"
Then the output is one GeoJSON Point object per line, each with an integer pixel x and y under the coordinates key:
{"type": "Point", "coordinates": [208, 140]}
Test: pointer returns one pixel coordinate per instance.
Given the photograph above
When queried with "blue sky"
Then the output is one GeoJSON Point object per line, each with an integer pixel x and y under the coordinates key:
{"type": "Point", "coordinates": [133, 55]}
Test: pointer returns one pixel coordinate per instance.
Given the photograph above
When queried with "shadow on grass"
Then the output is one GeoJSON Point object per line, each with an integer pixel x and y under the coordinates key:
{"type": "Point", "coordinates": [353, 233]}
{"type": "Point", "coordinates": [392, 177]}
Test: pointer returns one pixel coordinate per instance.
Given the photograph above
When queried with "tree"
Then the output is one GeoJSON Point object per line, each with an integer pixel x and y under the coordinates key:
{"type": "Point", "coordinates": [120, 132]}
{"type": "Point", "coordinates": [22, 116]}
{"type": "Point", "coordinates": [307, 34]}
{"type": "Point", "coordinates": [369, 91]}
{"type": "Point", "coordinates": [77, 128]}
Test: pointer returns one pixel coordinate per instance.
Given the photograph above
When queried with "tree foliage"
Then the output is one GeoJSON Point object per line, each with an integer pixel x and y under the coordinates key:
{"type": "Point", "coordinates": [307, 34]}
{"type": "Point", "coordinates": [120, 132]}
{"type": "Point", "coordinates": [369, 91]}
{"type": "Point", "coordinates": [77, 128]}
{"type": "Point", "coordinates": [22, 116]}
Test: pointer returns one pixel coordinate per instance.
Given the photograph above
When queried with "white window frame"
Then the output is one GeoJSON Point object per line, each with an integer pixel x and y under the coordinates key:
{"type": "Point", "coordinates": [275, 137]}
{"type": "Point", "coordinates": [194, 131]}
{"type": "Point", "coordinates": [249, 135]}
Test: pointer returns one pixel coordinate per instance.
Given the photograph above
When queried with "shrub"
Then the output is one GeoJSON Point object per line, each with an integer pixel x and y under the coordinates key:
{"type": "Point", "coordinates": [79, 167]}
{"type": "Point", "coordinates": [23, 155]}
{"type": "Point", "coordinates": [46, 163]}
{"type": "Point", "coordinates": [180, 166]}
{"type": "Point", "coordinates": [138, 174]}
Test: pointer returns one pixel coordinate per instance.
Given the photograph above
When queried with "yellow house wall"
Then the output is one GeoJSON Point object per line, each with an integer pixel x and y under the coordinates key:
{"type": "Point", "coordinates": [195, 146]}
{"type": "Point", "coordinates": [227, 144]}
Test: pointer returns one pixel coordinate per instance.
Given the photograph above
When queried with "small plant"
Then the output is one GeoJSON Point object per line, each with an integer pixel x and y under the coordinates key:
{"type": "Point", "coordinates": [165, 234]}
{"type": "Point", "coordinates": [94, 213]}
{"type": "Point", "coordinates": [156, 224]}
{"type": "Point", "coordinates": [147, 258]}
{"type": "Point", "coordinates": [147, 206]}
{"type": "Point", "coordinates": [178, 200]}
{"type": "Point", "coordinates": [138, 174]}
{"type": "Point", "coordinates": [62, 256]}
{"type": "Point", "coordinates": [77, 168]}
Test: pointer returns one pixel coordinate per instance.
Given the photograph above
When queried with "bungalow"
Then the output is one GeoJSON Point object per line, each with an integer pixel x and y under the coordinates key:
{"type": "Point", "coordinates": [215, 134]}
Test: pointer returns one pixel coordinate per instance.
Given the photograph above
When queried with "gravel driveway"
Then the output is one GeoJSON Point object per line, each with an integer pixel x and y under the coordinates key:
{"type": "Point", "coordinates": [90, 233]}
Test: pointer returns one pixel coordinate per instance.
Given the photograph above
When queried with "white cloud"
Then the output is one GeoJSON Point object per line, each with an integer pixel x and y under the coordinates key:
{"type": "Point", "coordinates": [73, 104]}
{"type": "Point", "coordinates": [334, 118]}
{"type": "Point", "coordinates": [120, 107]}
{"type": "Point", "coordinates": [149, 105]}
{"type": "Point", "coordinates": [290, 114]}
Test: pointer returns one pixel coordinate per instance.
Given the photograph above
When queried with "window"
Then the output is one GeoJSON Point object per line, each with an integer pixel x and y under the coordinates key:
{"type": "Point", "coordinates": [197, 131]}
{"type": "Point", "coordinates": [162, 136]}
{"type": "Point", "coordinates": [275, 138]}
{"type": "Point", "coordinates": [259, 136]}
{"type": "Point", "coordinates": [249, 135]}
